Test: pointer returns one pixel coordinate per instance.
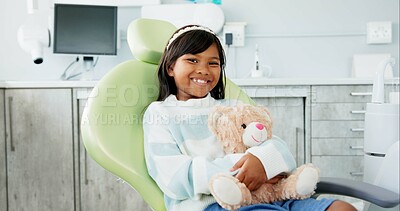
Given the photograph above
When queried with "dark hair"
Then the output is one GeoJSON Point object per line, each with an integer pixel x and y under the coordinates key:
{"type": "Point", "coordinates": [191, 42]}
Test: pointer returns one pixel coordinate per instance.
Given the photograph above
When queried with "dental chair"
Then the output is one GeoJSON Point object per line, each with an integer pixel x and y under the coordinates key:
{"type": "Point", "coordinates": [129, 88]}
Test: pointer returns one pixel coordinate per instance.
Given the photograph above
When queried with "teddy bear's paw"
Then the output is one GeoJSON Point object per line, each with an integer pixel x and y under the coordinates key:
{"type": "Point", "coordinates": [307, 181]}
{"type": "Point", "coordinates": [229, 192]}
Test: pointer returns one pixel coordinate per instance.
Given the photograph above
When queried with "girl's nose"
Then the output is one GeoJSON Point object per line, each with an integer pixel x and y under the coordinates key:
{"type": "Point", "coordinates": [202, 70]}
{"type": "Point", "coordinates": [259, 126]}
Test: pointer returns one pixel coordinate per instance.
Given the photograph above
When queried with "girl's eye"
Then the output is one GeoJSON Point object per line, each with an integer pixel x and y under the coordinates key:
{"type": "Point", "coordinates": [214, 63]}
{"type": "Point", "coordinates": [192, 60]}
{"type": "Point", "coordinates": [244, 126]}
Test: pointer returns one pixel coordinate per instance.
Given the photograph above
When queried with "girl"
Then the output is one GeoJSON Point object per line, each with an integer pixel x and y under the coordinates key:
{"type": "Point", "coordinates": [182, 154]}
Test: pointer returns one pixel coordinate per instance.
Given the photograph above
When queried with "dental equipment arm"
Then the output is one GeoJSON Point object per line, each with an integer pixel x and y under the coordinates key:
{"type": "Point", "coordinates": [361, 190]}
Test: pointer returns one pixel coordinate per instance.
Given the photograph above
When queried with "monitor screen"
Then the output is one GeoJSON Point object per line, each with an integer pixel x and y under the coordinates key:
{"type": "Point", "coordinates": [85, 29]}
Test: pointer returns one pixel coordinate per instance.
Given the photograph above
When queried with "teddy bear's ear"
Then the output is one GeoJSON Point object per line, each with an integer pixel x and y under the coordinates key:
{"type": "Point", "coordinates": [267, 113]}
{"type": "Point", "coordinates": [219, 115]}
{"type": "Point", "coordinates": [213, 118]}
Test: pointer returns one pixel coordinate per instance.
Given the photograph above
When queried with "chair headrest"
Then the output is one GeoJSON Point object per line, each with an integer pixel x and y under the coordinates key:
{"type": "Point", "coordinates": [147, 38]}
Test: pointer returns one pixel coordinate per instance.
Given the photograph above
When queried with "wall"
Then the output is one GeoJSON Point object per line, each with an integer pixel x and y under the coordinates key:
{"type": "Point", "coordinates": [284, 31]}
{"type": "Point", "coordinates": [297, 56]}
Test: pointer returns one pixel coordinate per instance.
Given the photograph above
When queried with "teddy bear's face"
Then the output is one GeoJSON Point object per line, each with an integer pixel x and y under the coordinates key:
{"type": "Point", "coordinates": [254, 134]}
{"type": "Point", "coordinates": [240, 127]}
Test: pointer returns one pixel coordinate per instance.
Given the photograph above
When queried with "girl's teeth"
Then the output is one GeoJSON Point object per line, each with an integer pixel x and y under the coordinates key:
{"type": "Point", "coordinates": [200, 81]}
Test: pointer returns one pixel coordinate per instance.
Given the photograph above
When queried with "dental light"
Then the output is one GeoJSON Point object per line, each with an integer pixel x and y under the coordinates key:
{"type": "Point", "coordinates": [32, 36]}
{"type": "Point", "coordinates": [32, 39]}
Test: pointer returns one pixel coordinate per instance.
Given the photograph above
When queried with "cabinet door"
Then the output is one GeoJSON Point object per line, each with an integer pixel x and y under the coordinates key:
{"type": "Point", "coordinates": [3, 171]}
{"type": "Point", "coordinates": [100, 189]}
{"type": "Point", "coordinates": [39, 149]}
{"type": "Point", "coordinates": [349, 167]}
{"type": "Point", "coordinates": [288, 122]}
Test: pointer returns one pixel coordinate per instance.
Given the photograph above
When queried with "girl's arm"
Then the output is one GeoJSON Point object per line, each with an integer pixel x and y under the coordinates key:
{"type": "Point", "coordinates": [275, 156]}
{"type": "Point", "coordinates": [264, 162]}
{"type": "Point", "coordinates": [179, 176]}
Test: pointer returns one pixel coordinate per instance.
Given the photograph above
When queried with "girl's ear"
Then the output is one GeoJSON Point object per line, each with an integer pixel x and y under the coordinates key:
{"type": "Point", "coordinates": [170, 72]}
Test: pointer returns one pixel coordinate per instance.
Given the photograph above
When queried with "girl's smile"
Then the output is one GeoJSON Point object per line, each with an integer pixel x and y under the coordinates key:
{"type": "Point", "coordinates": [200, 82]}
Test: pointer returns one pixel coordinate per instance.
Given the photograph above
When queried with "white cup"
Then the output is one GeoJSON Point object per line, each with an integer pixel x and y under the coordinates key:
{"type": "Point", "coordinates": [263, 71]}
{"type": "Point", "coordinates": [267, 70]}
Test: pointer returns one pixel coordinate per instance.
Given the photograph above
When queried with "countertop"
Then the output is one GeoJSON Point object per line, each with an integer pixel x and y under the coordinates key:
{"type": "Point", "coordinates": [240, 82]}
{"type": "Point", "coordinates": [307, 81]}
{"type": "Point", "coordinates": [47, 84]}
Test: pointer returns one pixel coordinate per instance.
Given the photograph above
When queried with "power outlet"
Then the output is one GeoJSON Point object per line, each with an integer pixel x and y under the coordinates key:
{"type": "Point", "coordinates": [379, 32]}
{"type": "Point", "coordinates": [237, 31]}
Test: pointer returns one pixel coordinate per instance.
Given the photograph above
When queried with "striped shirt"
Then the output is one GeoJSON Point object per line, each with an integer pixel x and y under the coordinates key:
{"type": "Point", "coordinates": [182, 154]}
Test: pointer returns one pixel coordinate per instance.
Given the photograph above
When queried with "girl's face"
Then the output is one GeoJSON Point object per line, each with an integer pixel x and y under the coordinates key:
{"type": "Point", "coordinates": [195, 75]}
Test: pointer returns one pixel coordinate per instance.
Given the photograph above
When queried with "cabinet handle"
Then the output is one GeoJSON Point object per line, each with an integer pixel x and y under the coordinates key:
{"type": "Point", "coordinates": [85, 169]}
{"type": "Point", "coordinates": [297, 141]}
{"type": "Point", "coordinates": [299, 134]}
{"type": "Point", "coordinates": [357, 129]}
{"type": "Point", "coordinates": [358, 112]}
{"type": "Point", "coordinates": [357, 173]}
{"type": "Point", "coordinates": [361, 93]}
{"type": "Point", "coordinates": [356, 147]}
{"type": "Point", "coordinates": [10, 99]}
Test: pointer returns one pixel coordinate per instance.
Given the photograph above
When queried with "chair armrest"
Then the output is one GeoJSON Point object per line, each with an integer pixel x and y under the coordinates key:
{"type": "Point", "coordinates": [361, 190]}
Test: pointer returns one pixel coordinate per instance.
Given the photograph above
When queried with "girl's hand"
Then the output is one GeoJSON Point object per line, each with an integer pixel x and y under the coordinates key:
{"type": "Point", "coordinates": [252, 172]}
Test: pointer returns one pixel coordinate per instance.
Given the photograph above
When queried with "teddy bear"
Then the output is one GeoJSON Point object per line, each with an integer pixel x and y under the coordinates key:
{"type": "Point", "coordinates": [238, 128]}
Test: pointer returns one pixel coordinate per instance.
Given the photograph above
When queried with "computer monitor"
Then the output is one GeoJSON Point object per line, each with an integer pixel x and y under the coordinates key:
{"type": "Point", "coordinates": [85, 29]}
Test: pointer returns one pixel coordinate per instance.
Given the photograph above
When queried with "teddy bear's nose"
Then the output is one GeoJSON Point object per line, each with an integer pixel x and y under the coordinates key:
{"type": "Point", "coordinates": [259, 126]}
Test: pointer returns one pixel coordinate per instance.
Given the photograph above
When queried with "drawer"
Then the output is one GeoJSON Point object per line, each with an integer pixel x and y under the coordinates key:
{"type": "Point", "coordinates": [337, 129]}
{"type": "Point", "coordinates": [349, 167]}
{"type": "Point", "coordinates": [338, 111]}
{"type": "Point", "coordinates": [337, 146]}
{"type": "Point", "coordinates": [341, 94]}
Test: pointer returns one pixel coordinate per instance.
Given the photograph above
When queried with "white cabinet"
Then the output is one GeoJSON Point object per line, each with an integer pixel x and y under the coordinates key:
{"type": "Point", "coordinates": [43, 163]}
{"type": "Point", "coordinates": [100, 189]}
{"type": "Point", "coordinates": [337, 129]}
{"type": "Point", "coordinates": [39, 149]}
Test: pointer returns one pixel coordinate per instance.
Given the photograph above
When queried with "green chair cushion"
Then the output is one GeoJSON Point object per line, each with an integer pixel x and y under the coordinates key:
{"type": "Point", "coordinates": [147, 38]}
{"type": "Point", "coordinates": [112, 125]}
